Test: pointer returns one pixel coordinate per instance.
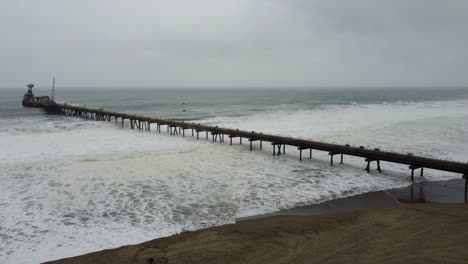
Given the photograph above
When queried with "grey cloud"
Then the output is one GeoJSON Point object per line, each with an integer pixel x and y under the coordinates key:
{"type": "Point", "coordinates": [208, 43]}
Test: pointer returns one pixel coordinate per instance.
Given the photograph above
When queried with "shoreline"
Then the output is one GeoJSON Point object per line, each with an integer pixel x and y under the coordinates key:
{"type": "Point", "coordinates": [440, 200]}
{"type": "Point", "coordinates": [433, 192]}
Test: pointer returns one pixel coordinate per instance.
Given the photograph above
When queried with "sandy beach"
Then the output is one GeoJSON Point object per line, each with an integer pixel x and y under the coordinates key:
{"type": "Point", "coordinates": [403, 234]}
{"type": "Point", "coordinates": [369, 228]}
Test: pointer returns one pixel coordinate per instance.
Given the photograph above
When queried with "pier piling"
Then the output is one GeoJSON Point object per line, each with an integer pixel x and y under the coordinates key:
{"type": "Point", "coordinates": [466, 187]}
{"type": "Point", "coordinates": [413, 168]}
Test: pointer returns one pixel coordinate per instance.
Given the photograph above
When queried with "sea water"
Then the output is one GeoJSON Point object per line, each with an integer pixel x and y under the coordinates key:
{"type": "Point", "coordinates": [70, 186]}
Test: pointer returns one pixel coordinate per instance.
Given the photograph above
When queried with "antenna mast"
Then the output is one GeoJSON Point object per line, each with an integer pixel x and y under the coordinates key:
{"type": "Point", "coordinates": [53, 89]}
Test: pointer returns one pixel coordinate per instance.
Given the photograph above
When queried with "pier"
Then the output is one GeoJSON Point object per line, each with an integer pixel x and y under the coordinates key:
{"type": "Point", "coordinates": [278, 143]}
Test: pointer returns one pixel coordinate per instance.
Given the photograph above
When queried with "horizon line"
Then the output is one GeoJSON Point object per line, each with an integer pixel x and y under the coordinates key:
{"type": "Point", "coordinates": [244, 87]}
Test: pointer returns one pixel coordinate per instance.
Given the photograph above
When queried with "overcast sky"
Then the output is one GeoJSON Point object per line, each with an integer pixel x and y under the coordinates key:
{"type": "Point", "coordinates": [235, 43]}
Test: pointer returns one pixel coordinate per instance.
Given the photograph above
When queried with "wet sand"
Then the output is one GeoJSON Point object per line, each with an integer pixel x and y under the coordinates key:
{"type": "Point", "coordinates": [369, 228]}
{"type": "Point", "coordinates": [437, 192]}
{"type": "Point", "coordinates": [362, 201]}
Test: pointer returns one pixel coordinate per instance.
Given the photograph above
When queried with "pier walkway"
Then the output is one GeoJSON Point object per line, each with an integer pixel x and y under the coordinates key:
{"type": "Point", "coordinates": [278, 143]}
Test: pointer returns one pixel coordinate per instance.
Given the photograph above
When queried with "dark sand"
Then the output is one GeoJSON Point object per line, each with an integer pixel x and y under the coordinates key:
{"type": "Point", "coordinates": [440, 192]}
{"type": "Point", "coordinates": [387, 231]}
{"type": "Point", "coordinates": [362, 201]}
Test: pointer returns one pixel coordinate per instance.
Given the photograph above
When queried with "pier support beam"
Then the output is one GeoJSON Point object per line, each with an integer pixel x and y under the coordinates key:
{"type": "Point", "coordinates": [333, 154]}
{"type": "Point", "coordinates": [159, 127]}
{"type": "Point", "coordinates": [252, 140]}
{"type": "Point", "coordinates": [215, 135]}
{"type": "Point", "coordinates": [412, 168]}
{"type": "Point", "coordinates": [183, 131]}
{"type": "Point", "coordinates": [466, 187]}
{"type": "Point", "coordinates": [279, 148]}
{"type": "Point", "coordinates": [300, 152]}
{"type": "Point", "coordinates": [368, 165]}
{"type": "Point", "coordinates": [173, 130]}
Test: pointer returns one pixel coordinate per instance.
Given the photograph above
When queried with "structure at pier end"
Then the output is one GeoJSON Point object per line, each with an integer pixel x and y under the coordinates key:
{"type": "Point", "coordinates": [29, 100]}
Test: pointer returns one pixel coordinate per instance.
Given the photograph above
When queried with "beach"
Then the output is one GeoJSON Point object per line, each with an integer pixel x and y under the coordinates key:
{"type": "Point", "coordinates": [376, 227]}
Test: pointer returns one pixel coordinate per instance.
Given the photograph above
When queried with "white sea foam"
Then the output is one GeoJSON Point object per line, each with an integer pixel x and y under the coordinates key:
{"type": "Point", "coordinates": [427, 128]}
{"type": "Point", "coordinates": [75, 186]}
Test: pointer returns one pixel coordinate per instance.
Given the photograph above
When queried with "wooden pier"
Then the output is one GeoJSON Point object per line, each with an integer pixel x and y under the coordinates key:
{"type": "Point", "coordinates": [278, 143]}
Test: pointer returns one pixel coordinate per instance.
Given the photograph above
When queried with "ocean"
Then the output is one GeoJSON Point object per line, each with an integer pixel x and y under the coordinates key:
{"type": "Point", "coordinates": [70, 186]}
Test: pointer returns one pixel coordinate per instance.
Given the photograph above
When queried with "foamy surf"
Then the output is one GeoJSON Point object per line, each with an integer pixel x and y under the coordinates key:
{"type": "Point", "coordinates": [71, 186]}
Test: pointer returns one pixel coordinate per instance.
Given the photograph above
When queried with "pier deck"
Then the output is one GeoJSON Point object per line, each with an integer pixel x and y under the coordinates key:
{"type": "Point", "coordinates": [178, 128]}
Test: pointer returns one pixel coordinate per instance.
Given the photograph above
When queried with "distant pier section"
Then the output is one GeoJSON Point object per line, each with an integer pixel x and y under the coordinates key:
{"type": "Point", "coordinates": [278, 143]}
